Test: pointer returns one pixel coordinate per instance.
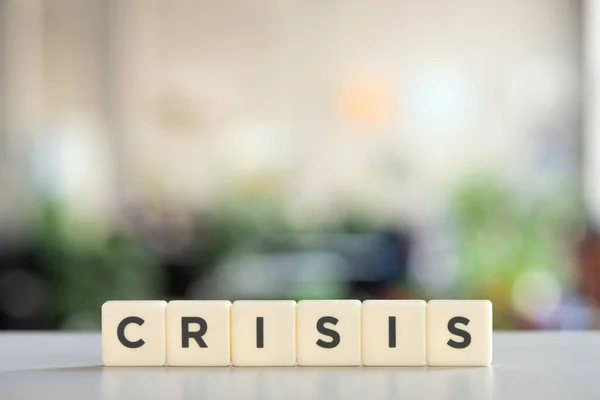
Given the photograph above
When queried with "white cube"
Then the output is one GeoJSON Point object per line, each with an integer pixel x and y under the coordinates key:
{"type": "Point", "coordinates": [459, 332]}
{"type": "Point", "coordinates": [263, 333]}
{"type": "Point", "coordinates": [393, 332]}
{"type": "Point", "coordinates": [329, 332]}
{"type": "Point", "coordinates": [133, 333]}
{"type": "Point", "coordinates": [198, 333]}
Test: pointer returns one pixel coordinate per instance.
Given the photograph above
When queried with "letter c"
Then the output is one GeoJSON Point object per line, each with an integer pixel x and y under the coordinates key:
{"type": "Point", "coordinates": [121, 332]}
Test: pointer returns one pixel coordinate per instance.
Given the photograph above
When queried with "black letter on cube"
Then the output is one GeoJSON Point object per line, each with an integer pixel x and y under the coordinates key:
{"type": "Point", "coordinates": [121, 332]}
{"type": "Point", "coordinates": [335, 337]}
{"type": "Point", "coordinates": [459, 332]}
{"type": "Point", "coordinates": [260, 333]}
{"type": "Point", "coordinates": [197, 336]}
{"type": "Point", "coordinates": [392, 332]}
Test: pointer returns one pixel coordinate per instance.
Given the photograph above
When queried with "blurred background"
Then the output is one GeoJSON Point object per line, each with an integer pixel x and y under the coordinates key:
{"type": "Point", "coordinates": [268, 149]}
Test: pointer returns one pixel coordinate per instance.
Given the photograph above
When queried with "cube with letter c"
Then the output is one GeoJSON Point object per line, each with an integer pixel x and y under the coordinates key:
{"type": "Point", "coordinates": [133, 333]}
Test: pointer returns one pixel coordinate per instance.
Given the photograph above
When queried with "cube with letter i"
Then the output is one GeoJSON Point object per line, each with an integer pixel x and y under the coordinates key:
{"type": "Point", "coordinates": [393, 332]}
{"type": "Point", "coordinates": [263, 333]}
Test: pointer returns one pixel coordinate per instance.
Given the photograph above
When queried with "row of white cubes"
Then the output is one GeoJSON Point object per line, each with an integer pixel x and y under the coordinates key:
{"type": "Point", "coordinates": [306, 333]}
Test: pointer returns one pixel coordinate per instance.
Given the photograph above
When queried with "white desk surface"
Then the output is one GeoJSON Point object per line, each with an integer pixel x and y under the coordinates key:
{"type": "Point", "coordinates": [559, 365]}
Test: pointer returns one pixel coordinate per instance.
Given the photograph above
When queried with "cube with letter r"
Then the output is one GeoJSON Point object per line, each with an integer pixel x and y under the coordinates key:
{"type": "Point", "coordinates": [459, 333]}
{"type": "Point", "coordinates": [198, 333]}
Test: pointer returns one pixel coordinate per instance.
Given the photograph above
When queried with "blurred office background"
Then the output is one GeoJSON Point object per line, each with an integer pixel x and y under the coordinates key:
{"type": "Point", "coordinates": [268, 149]}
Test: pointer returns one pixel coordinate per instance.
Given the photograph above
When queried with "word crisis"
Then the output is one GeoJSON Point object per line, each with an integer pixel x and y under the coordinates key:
{"type": "Point", "coordinates": [305, 333]}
